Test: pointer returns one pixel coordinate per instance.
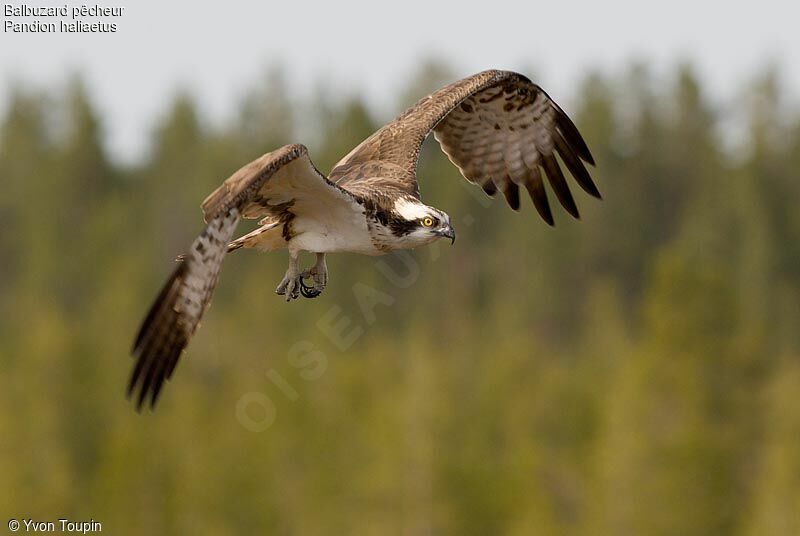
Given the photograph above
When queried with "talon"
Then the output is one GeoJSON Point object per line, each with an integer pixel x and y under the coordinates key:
{"type": "Point", "coordinates": [281, 290]}
{"type": "Point", "coordinates": [289, 288]}
{"type": "Point", "coordinates": [293, 284]}
{"type": "Point", "coordinates": [308, 291]}
{"type": "Point", "coordinates": [294, 290]}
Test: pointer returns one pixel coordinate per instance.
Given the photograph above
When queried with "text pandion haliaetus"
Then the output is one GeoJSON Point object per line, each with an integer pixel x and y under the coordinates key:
{"type": "Point", "coordinates": [499, 128]}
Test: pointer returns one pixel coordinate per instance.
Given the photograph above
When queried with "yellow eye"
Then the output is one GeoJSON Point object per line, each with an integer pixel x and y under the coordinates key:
{"type": "Point", "coordinates": [427, 222]}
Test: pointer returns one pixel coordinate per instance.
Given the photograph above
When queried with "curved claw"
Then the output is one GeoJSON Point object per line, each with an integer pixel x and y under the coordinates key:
{"type": "Point", "coordinates": [306, 290]}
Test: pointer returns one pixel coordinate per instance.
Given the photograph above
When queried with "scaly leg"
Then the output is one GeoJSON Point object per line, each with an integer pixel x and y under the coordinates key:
{"type": "Point", "coordinates": [319, 272]}
{"type": "Point", "coordinates": [290, 285]}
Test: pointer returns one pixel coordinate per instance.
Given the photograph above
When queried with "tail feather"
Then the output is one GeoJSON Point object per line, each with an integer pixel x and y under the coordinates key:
{"type": "Point", "coordinates": [178, 308]}
{"type": "Point", "coordinates": [257, 238]}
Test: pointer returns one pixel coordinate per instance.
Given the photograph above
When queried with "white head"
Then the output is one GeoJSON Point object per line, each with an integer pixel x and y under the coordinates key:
{"type": "Point", "coordinates": [416, 224]}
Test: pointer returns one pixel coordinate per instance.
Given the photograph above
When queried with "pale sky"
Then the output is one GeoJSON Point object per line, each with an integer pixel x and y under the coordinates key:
{"type": "Point", "coordinates": [220, 49]}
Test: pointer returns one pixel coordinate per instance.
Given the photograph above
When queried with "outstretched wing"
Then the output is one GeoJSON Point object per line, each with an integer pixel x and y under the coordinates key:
{"type": "Point", "coordinates": [176, 311]}
{"type": "Point", "coordinates": [275, 185]}
{"type": "Point", "coordinates": [498, 127]}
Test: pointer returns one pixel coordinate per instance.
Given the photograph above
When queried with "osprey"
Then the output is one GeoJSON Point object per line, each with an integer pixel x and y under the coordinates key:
{"type": "Point", "coordinates": [497, 127]}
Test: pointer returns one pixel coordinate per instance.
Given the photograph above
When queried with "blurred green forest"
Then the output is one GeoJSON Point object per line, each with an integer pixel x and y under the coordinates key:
{"type": "Point", "coordinates": [633, 373]}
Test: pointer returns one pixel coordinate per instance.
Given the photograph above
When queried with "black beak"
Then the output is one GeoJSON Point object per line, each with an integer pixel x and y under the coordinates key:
{"type": "Point", "coordinates": [447, 232]}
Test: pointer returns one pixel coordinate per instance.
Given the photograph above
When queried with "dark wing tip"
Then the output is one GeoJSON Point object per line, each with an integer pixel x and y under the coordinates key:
{"type": "Point", "coordinates": [572, 135]}
{"type": "Point", "coordinates": [575, 166]}
{"type": "Point", "coordinates": [535, 187]}
{"type": "Point", "coordinates": [154, 366]}
{"type": "Point", "coordinates": [159, 343]}
{"type": "Point", "coordinates": [489, 187]}
{"type": "Point", "coordinates": [587, 157]}
{"type": "Point", "coordinates": [511, 193]}
{"type": "Point", "coordinates": [559, 184]}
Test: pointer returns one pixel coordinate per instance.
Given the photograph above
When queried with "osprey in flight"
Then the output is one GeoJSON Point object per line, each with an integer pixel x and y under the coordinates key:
{"type": "Point", "coordinates": [500, 130]}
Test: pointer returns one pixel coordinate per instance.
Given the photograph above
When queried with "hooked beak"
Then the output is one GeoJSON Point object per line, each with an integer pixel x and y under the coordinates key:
{"type": "Point", "coordinates": [447, 232]}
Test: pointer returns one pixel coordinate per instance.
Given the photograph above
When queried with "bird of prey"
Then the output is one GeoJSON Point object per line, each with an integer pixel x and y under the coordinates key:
{"type": "Point", "coordinates": [501, 130]}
